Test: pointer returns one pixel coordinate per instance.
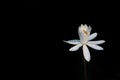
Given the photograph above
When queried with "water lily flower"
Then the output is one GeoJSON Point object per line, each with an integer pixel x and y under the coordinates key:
{"type": "Point", "coordinates": [85, 40]}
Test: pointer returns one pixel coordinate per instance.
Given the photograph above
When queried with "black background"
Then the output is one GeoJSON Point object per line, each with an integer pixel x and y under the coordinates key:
{"type": "Point", "coordinates": [42, 27]}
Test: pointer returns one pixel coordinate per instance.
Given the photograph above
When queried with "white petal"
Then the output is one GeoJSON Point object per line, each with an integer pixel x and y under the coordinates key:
{"type": "Point", "coordinates": [83, 32]}
{"type": "Point", "coordinates": [75, 48]}
{"type": "Point", "coordinates": [97, 42]}
{"type": "Point", "coordinates": [92, 36]}
{"type": "Point", "coordinates": [74, 42]}
{"type": "Point", "coordinates": [94, 46]}
{"type": "Point", "coordinates": [90, 28]}
{"type": "Point", "coordinates": [86, 53]}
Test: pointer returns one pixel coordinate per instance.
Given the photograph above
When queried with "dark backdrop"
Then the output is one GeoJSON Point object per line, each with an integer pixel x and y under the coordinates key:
{"type": "Point", "coordinates": [45, 25]}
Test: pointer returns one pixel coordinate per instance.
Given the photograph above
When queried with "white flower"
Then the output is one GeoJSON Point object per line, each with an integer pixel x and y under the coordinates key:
{"type": "Point", "coordinates": [85, 40]}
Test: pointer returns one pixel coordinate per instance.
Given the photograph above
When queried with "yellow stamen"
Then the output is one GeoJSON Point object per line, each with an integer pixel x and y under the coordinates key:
{"type": "Point", "coordinates": [85, 32]}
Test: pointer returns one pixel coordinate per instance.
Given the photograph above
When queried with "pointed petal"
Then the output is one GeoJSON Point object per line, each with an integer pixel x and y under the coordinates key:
{"type": "Point", "coordinates": [92, 36]}
{"type": "Point", "coordinates": [94, 46]}
{"type": "Point", "coordinates": [86, 53]}
{"type": "Point", "coordinates": [97, 42]}
{"type": "Point", "coordinates": [74, 42]}
{"type": "Point", "coordinates": [90, 28]}
{"type": "Point", "coordinates": [75, 48]}
{"type": "Point", "coordinates": [79, 32]}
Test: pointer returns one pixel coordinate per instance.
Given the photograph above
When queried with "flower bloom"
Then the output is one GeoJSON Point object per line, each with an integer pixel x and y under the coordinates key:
{"type": "Point", "coordinates": [85, 40]}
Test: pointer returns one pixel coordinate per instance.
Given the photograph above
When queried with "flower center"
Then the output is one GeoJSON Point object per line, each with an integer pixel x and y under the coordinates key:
{"type": "Point", "coordinates": [84, 42]}
{"type": "Point", "coordinates": [86, 33]}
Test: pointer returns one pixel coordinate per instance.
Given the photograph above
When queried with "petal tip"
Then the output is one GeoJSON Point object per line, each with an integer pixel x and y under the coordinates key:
{"type": "Point", "coordinates": [104, 41]}
{"type": "Point", "coordinates": [64, 40]}
{"type": "Point", "coordinates": [71, 50]}
{"type": "Point", "coordinates": [87, 59]}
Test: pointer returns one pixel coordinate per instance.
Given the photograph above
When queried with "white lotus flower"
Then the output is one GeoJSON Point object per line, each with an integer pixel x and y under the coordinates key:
{"type": "Point", "coordinates": [85, 40]}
